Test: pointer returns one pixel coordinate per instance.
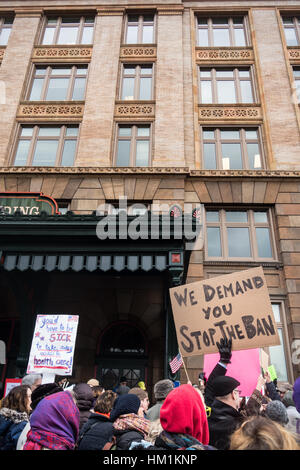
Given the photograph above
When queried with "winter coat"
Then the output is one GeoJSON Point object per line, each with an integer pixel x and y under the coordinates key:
{"type": "Point", "coordinates": [209, 395]}
{"type": "Point", "coordinates": [12, 424]}
{"type": "Point", "coordinates": [154, 412]}
{"type": "Point", "coordinates": [84, 400]}
{"type": "Point", "coordinates": [96, 432]}
{"type": "Point", "coordinates": [222, 422]}
{"type": "Point", "coordinates": [129, 428]}
{"type": "Point", "coordinates": [171, 441]}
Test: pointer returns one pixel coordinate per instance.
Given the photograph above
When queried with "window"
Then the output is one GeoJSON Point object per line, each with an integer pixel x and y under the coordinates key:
{"type": "Point", "coordinates": [137, 82]}
{"type": "Point", "coordinates": [232, 148]}
{"type": "Point", "coordinates": [46, 146]}
{"type": "Point", "coordinates": [296, 73]}
{"type": "Point", "coordinates": [140, 29]}
{"type": "Point", "coordinates": [239, 234]}
{"type": "Point", "coordinates": [58, 83]}
{"type": "Point", "coordinates": [277, 353]}
{"type": "Point", "coordinates": [5, 29]}
{"type": "Point", "coordinates": [291, 30]}
{"type": "Point", "coordinates": [133, 145]}
{"type": "Point", "coordinates": [78, 30]}
{"type": "Point", "coordinates": [222, 32]}
{"type": "Point", "coordinates": [226, 85]}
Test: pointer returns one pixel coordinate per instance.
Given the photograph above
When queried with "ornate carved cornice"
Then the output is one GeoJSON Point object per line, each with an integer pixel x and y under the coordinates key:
{"type": "Point", "coordinates": [229, 112]}
{"type": "Point", "coordinates": [129, 110]}
{"type": "Point", "coordinates": [111, 11]}
{"type": "Point", "coordinates": [51, 110]}
{"type": "Point", "coordinates": [224, 55]}
{"type": "Point", "coordinates": [137, 52]}
{"type": "Point", "coordinates": [245, 174]}
{"type": "Point", "coordinates": [62, 53]}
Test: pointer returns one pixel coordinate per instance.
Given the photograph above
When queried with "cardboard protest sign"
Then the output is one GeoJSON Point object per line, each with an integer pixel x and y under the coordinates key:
{"type": "Point", "coordinates": [10, 384]}
{"type": "Point", "coordinates": [244, 367]}
{"type": "Point", "coordinates": [53, 344]}
{"type": "Point", "coordinates": [235, 306]}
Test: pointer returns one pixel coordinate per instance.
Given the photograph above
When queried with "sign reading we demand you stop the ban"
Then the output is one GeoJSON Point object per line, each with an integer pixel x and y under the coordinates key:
{"type": "Point", "coordinates": [53, 344]}
{"type": "Point", "coordinates": [235, 306]}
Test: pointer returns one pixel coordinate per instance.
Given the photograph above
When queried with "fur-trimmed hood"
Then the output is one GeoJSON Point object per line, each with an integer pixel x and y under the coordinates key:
{"type": "Point", "coordinates": [13, 415]}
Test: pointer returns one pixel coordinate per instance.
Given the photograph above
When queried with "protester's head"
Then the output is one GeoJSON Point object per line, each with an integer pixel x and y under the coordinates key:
{"type": "Point", "coordinates": [42, 391]}
{"type": "Point", "coordinates": [288, 399]}
{"type": "Point", "coordinates": [183, 411]}
{"type": "Point", "coordinates": [283, 387]}
{"type": "Point", "coordinates": [123, 380]}
{"type": "Point", "coordinates": [261, 433]}
{"type": "Point", "coordinates": [97, 391]}
{"type": "Point", "coordinates": [225, 389]}
{"type": "Point", "coordinates": [105, 402]}
{"type": "Point", "coordinates": [162, 388]}
{"type": "Point", "coordinates": [18, 399]}
{"type": "Point", "coordinates": [125, 404]}
{"type": "Point", "coordinates": [84, 396]}
{"type": "Point", "coordinates": [276, 411]}
{"type": "Point", "coordinates": [296, 394]}
{"type": "Point", "coordinates": [33, 380]}
{"type": "Point", "coordinates": [143, 396]}
{"type": "Point", "coordinates": [93, 383]}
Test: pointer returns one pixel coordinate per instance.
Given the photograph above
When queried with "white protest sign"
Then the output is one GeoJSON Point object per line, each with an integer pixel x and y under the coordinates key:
{"type": "Point", "coordinates": [53, 344]}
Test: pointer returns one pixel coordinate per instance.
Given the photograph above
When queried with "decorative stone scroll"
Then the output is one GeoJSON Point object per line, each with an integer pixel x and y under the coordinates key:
{"type": "Point", "coordinates": [224, 54]}
{"type": "Point", "coordinates": [50, 110]}
{"type": "Point", "coordinates": [65, 53]}
{"type": "Point", "coordinates": [219, 112]}
{"type": "Point", "coordinates": [134, 110]}
{"type": "Point", "coordinates": [138, 52]}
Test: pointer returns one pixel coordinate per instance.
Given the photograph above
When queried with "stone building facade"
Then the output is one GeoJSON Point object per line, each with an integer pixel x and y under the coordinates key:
{"type": "Point", "coordinates": [171, 103]}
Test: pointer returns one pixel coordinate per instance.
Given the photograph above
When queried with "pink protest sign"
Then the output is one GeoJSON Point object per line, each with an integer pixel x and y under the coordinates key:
{"type": "Point", "coordinates": [244, 367]}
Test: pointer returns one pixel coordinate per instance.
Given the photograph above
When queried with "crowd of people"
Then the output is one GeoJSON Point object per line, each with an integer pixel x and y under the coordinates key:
{"type": "Point", "coordinates": [210, 415]}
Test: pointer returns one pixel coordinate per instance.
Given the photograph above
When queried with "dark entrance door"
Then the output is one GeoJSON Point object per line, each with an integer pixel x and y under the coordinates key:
{"type": "Point", "coordinates": [122, 353]}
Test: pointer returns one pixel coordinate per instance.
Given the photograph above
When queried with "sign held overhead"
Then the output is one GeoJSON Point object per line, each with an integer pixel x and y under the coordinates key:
{"type": "Point", "coordinates": [235, 306]}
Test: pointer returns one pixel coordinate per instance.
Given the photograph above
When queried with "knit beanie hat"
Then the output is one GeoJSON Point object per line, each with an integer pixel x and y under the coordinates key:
{"type": "Point", "coordinates": [276, 411]}
{"type": "Point", "coordinates": [183, 412]}
{"type": "Point", "coordinates": [84, 396]}
{"type": "Point", "coordinates": [296, 394]}
{"type": "Point", "coordinates": [43, 391]}
{"type": "Point", "coordinates": [288, 399]}
{"type": "Point", "coordinates": [124, 405]}
{"type": "Point", "coordinates": [163, 388]}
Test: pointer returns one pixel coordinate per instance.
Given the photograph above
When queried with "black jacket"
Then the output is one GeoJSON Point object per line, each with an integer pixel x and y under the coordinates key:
{"type": "Point", "coordinates": [125, 438]}
{"type": "Point", "coordinates": [95, 433]}
{"type": "Point", "coordinates": [209, 395]}
{"type": "Point", "coordinates": [222, 422]}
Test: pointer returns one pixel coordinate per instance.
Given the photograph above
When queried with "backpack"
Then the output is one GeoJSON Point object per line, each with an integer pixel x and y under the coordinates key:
{"type": "Point", "coordinates": [111, 445]}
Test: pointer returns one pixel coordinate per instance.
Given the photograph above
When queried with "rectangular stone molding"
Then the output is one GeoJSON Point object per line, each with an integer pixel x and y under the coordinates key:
{"type": "Point", "coordinates": [53, 111]}
{"type": "Point", "coordinates": [72, 54]}
{"type": "Point", "coordinates": [134, 110]}
{"type": "Point", "coordinates": [224, 55]}
{"type": "Point", "coordinates": [138, 52]}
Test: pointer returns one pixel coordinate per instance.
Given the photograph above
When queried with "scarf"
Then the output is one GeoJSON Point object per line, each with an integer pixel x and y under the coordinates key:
{"type": "Point", "coordinates": [54, 423]}
{"type": "Point", "coordinates": [133, 422]}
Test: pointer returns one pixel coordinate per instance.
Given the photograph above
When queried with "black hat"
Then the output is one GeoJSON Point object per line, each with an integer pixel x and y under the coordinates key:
{"type": "Point", "coordinates": [125, 404]}
{"type": "Point", "coordinates": [42, 391]}
{"type": "Point", "coordinates": [224, 385]}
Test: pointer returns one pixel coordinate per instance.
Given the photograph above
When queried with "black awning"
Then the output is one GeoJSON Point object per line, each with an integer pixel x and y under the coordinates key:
{"type": "Point", "coordinates": [77, 262]}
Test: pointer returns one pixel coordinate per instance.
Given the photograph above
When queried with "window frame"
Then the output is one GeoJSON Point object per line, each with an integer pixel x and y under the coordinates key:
{"type": "Point", "coordinates": [48, 75]}
{"type": "Point", "coordinates": [57, 27]}
{"type": "Point", "coordinates": [4, 25]}
{"type": "Point", "coordinates": [242, 140]}
{"type": "Point", "coordinates": [222, 224]}
{"type": "Point", "coordinates": [133, 138]}
{"type": "Point", "coordinates": [237, 79]}
{"type": "Point", "coordinates": [33, 139]}
{"type": "Point", "coordinates": [295, 26]}
{"type": "Point", "coordinates": [209, 26]}
{"type": "Point", "coordinates": [140, 24]}
{"type": "Point", "coordinates": [137, 76]}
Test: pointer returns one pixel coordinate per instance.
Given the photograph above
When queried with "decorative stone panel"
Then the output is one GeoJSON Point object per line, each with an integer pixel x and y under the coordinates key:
{"type": "Point", "coordinates": [224, 55]}
{"type": "Point", "coordinates": [232, 112]}
{"type": "Point", "coordinates": [62, 53]}
{"type": "Point", "coordinates": [2, 50]}
{"type": "Point", "coordinates": [50, 111]}
{"type": "Point", "coordinates": [137, 52]}
{"type": "Point", "coordinates": [134, 110]}
{"type": "Point", "coordinates": [294, 54]}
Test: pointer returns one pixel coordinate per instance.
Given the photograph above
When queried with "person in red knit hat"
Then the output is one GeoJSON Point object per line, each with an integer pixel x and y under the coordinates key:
{"type": "Point", "coordinates": [184, 422]}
